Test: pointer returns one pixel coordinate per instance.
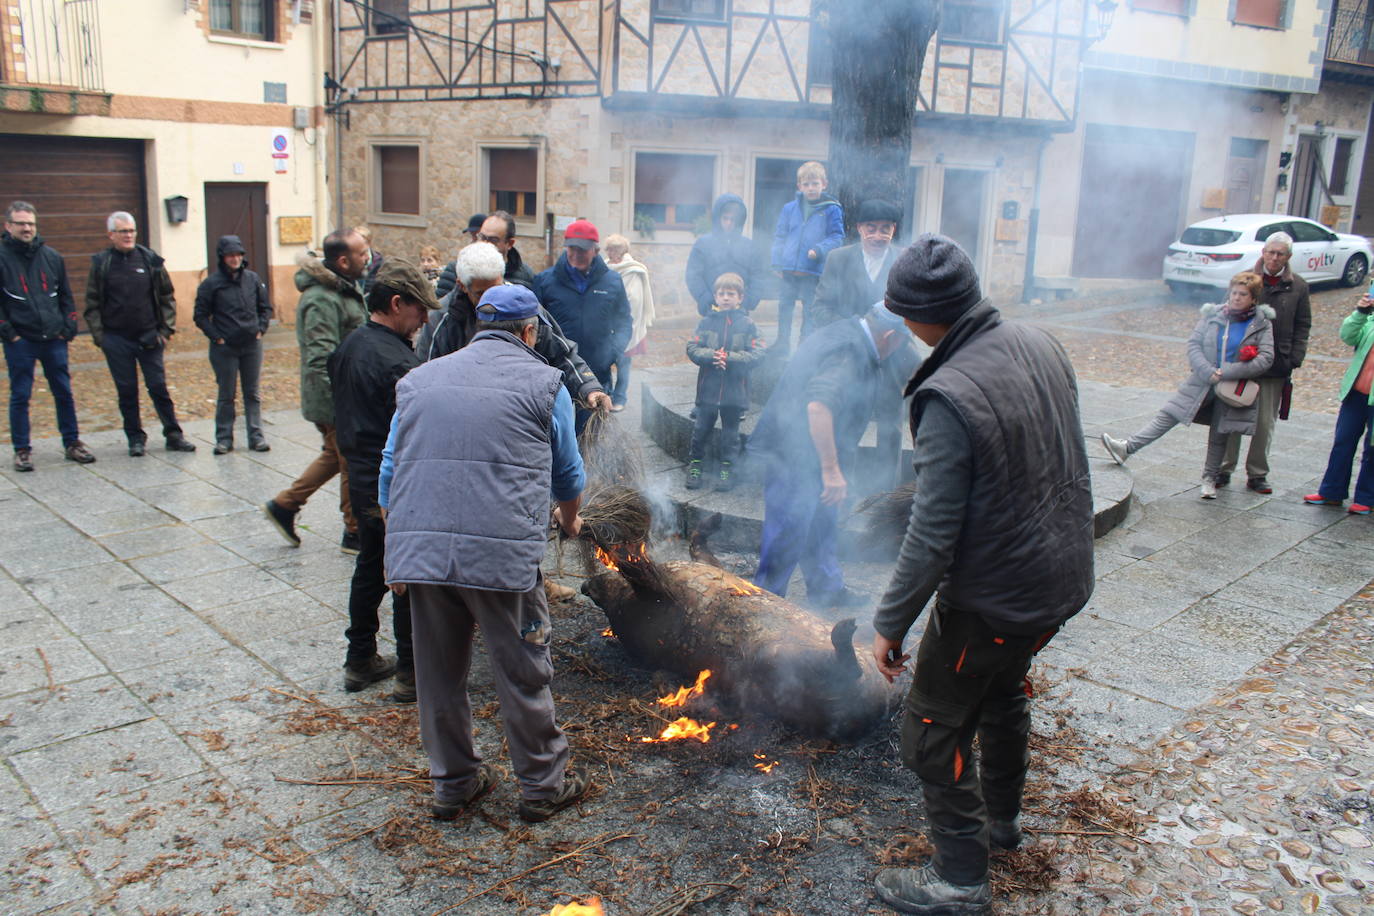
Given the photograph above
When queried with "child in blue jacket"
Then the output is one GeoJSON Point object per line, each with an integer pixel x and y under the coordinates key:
{"type": "Point", "coordinates": [809, 228]}
{"type": "Point", "coordinates": [726, 347]}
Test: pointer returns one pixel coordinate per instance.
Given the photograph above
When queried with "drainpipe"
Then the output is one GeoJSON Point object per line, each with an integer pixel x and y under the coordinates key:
{"type": "Point", "coordinates": [1033, 225]}
{"type": "Point", "coordinates": [321, 207]}
{"type": "Point", "coordinates": [338, 123]}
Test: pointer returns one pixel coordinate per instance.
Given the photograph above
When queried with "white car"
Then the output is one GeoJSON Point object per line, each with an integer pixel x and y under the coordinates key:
{"type": "Point", "coordinates": [1211, 252]}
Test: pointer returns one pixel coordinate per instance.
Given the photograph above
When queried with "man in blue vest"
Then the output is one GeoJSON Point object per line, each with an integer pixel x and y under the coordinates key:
{"type": "Point", "coordinates": [466, 532]}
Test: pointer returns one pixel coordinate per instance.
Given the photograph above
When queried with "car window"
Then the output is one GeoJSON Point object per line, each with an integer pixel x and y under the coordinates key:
{"type": "Point", "coordinates": [1304, 231]}
{"type": "Point", "coordinates": [1262, 234]}
{"type": "Point", "coordinates": [1208, 238]}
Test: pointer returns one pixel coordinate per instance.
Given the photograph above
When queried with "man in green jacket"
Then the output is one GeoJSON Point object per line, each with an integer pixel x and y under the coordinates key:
{"type": "Point", "coordinates": [330, 308]}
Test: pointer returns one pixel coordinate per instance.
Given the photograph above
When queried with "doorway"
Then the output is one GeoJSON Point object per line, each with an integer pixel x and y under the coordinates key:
{"type": "Point", "coordinates": [239, 208]}
{"type": "Point", "coordinates": [1244, 171]}
{"type": "Point", "coordinates": [962, 200]}
{"type": "Point", "coordinates": [1305, 168]}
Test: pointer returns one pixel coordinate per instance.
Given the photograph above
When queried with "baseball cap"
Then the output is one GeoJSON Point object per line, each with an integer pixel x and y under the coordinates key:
{"type": "Point", "coordinates": [508, 302]}
{"type": "Point", "coordinates": [581, 234]}
{"type": "Point", "coordinates": [475, 222]}
{"type": "Point", "coordinates": [406, 279]}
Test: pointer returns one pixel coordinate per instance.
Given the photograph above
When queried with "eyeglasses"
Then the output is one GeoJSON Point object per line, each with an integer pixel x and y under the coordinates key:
{"type": "Point", "coordinates": [125, 232]}
{"type": "Point", "coordinates": [21, 225]}
{"type": "Point", "coordinates": [490, 239]}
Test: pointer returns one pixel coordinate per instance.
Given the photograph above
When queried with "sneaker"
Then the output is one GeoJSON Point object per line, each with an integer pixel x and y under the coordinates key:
{"type": "Point", "coordinates": [694, 475]}
{"type": "Point", "coordinates": [557, 592]}
{"type": "Point", "coordinates": [78, 452]}
{"type": "Point", "coordinates": [1316, 499]}
{"type": "Point", "coordinates": [1209, 490]}
{"type": "Point", "coordinates": [377, 668]}
{"type": "Point", "coordinates": [23, 459]}
{"type": "Point", "coordinates": [260, 446]}
{"type": "Point", "coordinates": [1259, 485]}
{"type": "Point", "coordinates": [1004, 834]}
{"type": "Point", "coordinates": [1116, 448]}
{"type": "Point", "coordinates": [922, 890]}
{"type": "Point", "coordinates": [180, 444]}
{"type": "Point", "coordinates": [284, 520]}
{"type": "Point", "coordinates": [350, 543]}
{"type": "Point", "coordinates": [137, 449]}
{"type": "Point", "coordinates": [534, 810]}
{"type": "Point", "coordinates": [404, 691]}
{"type": "Point", "coordinates": [725, 480]}
{"type": "Point", "coordinates": [1358, 509]}
{"type": "Point", "coordinates": [1223, 479]}
{"type": "Point", "coordinates": [223, 448]}
{"type": "Point", "coordinates": [617, 408]}
{"type": "Point", "coordinates": [482, 783]}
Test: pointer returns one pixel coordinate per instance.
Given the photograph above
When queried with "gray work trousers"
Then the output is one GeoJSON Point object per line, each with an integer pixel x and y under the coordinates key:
{"type": "Point", "coordinates": [1257, 459]}
{"type": "Point", "coordinates": [445, 617]}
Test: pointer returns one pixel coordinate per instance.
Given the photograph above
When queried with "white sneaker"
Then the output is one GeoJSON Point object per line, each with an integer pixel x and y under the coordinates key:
{"type": "Point", "coordinates": [1116, 448]}
{"type": "Point", "coordinates": [1209, 490]}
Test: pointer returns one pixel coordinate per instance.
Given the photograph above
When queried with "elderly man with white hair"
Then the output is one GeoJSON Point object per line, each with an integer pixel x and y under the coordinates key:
{"type": "Point", "coordinates": [1286, 293]}
{"type": "Point", "coordinates": [132, 313]}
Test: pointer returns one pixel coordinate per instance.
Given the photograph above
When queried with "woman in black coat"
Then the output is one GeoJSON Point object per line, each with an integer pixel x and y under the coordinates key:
{"type": "Point", "coordinates": [232, 310]}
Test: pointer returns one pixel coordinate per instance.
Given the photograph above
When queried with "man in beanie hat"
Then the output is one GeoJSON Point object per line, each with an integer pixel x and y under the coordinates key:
{"type": "Point", "coordinates": [1007, 539]}
{"type": "Point", "coordinates": [807, 439]}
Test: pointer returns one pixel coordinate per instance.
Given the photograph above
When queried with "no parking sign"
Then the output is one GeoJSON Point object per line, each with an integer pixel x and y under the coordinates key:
{"type": "Point", "coordinates": [281, 144]}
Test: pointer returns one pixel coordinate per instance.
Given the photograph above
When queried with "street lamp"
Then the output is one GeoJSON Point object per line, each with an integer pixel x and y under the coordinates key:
{"type": "Point", "coordinates": [1106, 9]}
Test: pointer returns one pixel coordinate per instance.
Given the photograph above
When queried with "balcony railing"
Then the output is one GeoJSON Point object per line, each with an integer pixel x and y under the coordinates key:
{"type": "Point", "coordinates": [57, 43]}
{"type": "Point", "coordinates": [1352, 34]}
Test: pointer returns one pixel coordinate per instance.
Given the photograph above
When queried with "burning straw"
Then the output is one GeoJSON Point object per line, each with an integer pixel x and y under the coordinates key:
{"type": "Point", "coordinates": [609, 453]}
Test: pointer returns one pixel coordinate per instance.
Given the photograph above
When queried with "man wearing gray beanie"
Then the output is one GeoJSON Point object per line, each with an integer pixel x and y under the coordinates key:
{"type": "Point", "coordinates": [1002, 524]}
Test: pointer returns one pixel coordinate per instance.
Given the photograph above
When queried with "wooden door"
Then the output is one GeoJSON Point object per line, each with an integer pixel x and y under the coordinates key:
{"type": "Point", "coordinates": [1304, 177]}
{"type": "Point", "coordinates": [962, 202]}
{"type": "Point", "coordinates": [1244, 171]}
{"type": "Point", "coordinates": [1130, 200]}
{"type": "Point", "coordinates": [239, 208]}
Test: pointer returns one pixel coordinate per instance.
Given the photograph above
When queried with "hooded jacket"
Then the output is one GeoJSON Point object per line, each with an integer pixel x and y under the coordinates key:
{"type": "Point", "coordinates": [797, 233]}
{"type": "Point", "coordinates": [1292, 319]}
{"type": "Point", "coordinates": [330, 308]}
{"type": "Point", "coordinates": [517, 271]}
{"type": "Point", "coordinates": [36, 303]}
{"type": "Point", "coordinates": [163, 307]}
{"type": "Point", "coordinates": [597, 320]}
{"type": "Point", "coordinates": [232, 306]}
{"type": "Point", "coordinates": [720, 252]}
{"type": "Point", "coordinates": [734, 332]}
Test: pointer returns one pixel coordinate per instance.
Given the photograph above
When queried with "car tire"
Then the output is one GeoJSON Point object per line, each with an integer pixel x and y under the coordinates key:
{"type": "Point", "coordinates": [1356, 269]}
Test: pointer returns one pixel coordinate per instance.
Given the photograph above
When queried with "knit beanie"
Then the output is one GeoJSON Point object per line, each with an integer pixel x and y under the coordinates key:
{"type": "Point", "coordinates": [933, 281]}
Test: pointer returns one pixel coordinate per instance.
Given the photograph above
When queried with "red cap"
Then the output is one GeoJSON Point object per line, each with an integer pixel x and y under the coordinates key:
{"type": "Point", "coordinates": [581, 234]}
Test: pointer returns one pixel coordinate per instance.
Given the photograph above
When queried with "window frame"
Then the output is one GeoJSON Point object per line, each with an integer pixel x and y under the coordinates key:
{"type": "Point", "coordinates": [659, 16]}
{"type": "Point", "coordinates": [1189, 8]}
{"type": "Point", "coordinates": [675, 232]}
{"type": "Point", "coordinates": [999, 42]}
{"type": "Point", "coordinates": [269, 21]}
{"type": "Point", "coordinates": [524, 226]}
{"type": "Point", "coordinates": [375, 213]}
{"type": "Point", "coordinates": [396, 29]}
{"type": "Point", "coordinates": [1285, 16]}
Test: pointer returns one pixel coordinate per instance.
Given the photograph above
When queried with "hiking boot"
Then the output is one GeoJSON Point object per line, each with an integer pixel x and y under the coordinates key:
{"type": "Point", "coordinates": [223, 448]}
{"type": "Point", "coordinates": [1259, 485]}
{"type": "Point", "coordinates": [694, 475]}
{"type": "Point", "coordinates": [350, 543]}
{"type": "Point", "coordinates": [534, 810]}
{"type": "Point", "coordinates": [180, 444]}
{"type": "Point", "coordinates": [284, 520]}
{"type": "Point", "coordinates": [78, 452]}
{"type": "Point", "coordinates": [1223, 480]}
{"type": "Point", "coordinates": [23, 459]}
{"type": "Point", "coordinates": [922, 890]}
{"type": "Point", "coordinates": [725, 480]}
{"type": "Point", "coordinates": [377, 668]}
{"type": "Point", "coordinates": [556, 592]}
{"type": "Point", "coordinates": [482, 783]}
{"type": "Point", "coordinates": [137, 449]}
{"type": "Point", "coordinates": [1316, 499]}
{"type": "Point", "coordinates": [1209, 490]}
{"type": "Point", "coordinates": [259, 445]}
{"type": "Point", "coordinates": [404, 691]}
{"type": "Point", "coordinates": [1004, 834]}
{"type": "Point", "coordinates": [1116, 448]}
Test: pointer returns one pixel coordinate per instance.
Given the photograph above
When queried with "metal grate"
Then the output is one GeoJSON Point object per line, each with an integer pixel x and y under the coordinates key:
{"type": "Point", "coordinates": [58, 44]}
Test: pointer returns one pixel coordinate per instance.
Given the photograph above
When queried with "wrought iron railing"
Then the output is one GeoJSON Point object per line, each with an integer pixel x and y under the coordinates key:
{"type": "Point", "coordinates": [1352, 33]}
{"type": "Point", "coordinates": [57, 43]}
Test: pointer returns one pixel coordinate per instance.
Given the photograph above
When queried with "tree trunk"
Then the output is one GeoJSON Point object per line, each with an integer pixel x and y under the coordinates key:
{"type": "Point", "coordinates": [879, 47]}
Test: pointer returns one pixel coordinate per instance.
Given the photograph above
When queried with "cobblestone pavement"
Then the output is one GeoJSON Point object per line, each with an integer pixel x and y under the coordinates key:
{"type": "Point", "coordinates": [169, 696]}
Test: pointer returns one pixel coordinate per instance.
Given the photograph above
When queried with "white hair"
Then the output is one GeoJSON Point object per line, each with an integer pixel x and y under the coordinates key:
{"type": "Point", "coordinates": [119, 216]}
{"type": "Point", "coordinates": [480, 261]}
{"type": "Point", "coordinates": [1280, 238]}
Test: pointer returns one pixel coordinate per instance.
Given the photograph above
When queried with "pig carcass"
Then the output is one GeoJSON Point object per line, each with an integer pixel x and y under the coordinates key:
{"type": "Point", "coordinates": [768, 656]}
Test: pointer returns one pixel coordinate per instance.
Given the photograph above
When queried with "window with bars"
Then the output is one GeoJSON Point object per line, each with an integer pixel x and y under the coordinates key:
{"type": "Point", "coordinates": [972, 20]}
{"type": "Point", "coordinates": [388, 17]}
{"type": "Point", "coordinates": [673, 190]}
{"type": "Point", "coordinates": [513, 182]}
{"type": "Point", "coordinates": [1267, 14]}
{"type": "Point", "coordinates": [692, 10]}
{"type": "Point", "coordinates": [245, 18]}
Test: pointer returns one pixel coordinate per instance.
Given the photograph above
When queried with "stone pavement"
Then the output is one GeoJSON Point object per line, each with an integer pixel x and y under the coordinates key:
{"type": "Point", "coordinates": [156, 632]}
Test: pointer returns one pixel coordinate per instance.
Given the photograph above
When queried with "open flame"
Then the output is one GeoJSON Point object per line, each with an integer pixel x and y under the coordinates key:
{"type": "Point", "coordinates": [608, 633]}
{"type": "Point", "coordinates": [683, 729]}
{"type": "Point", "coordinates": [764, 763]}
{"type": "Point", "coordinates": [683, 694]}
{"type": "Point", "coordinates": [745, 588]}
{"type": "Point", "coordinates": [591, 908]}
{"type": "Point", "coordinates": [607, 560]}
{"type": "Point", "coordinates": [620, 554]}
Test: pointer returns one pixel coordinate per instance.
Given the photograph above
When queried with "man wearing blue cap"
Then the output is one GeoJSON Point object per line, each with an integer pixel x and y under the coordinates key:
{"type": "Point", "coordinates": [466, 522]}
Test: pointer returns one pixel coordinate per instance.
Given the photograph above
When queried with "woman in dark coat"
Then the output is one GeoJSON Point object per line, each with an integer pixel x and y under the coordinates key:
{"type": "Point", "coordinates": [232, 310]}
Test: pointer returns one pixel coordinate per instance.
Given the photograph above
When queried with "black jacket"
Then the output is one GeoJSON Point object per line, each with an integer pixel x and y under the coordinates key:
{"type": "Point", "coordinates": [1024, 558]}
{"type": "Point", "coordinates": [735, 332]}
{"type": "Point", "coordinates": [517, 271]}
{"type": "Point", "coordinates": [597, 320]}
{"type": "Point", "coordinates": [452, 327]}
{"type": "Point", "coordinates": [36, 301]}
{"type": "Point", "coordinates": [163, 304]}
{"type": "Point", "coordinates": [363, 373]}
{"type": "Point", "coordinates": [720, 252]}
{"type": "Point", "coordinates": [1292, 322]}
{"type": "Point", "coordinates": [845, 290]}
{"type": "Point", "coordinates": [232, 306]}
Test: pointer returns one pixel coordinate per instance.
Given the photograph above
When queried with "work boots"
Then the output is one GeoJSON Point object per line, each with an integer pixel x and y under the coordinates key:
{"type": "Point", "coordinates": [726, 480]}
{"type": "Point", "coordinates": [377, 668]}
{"type": "Point", "coordinates": [922, 890]}
{"type": "Point", "coordinates": [694, 475]}
{"type": "Point", "coordinates": [1004, 834]}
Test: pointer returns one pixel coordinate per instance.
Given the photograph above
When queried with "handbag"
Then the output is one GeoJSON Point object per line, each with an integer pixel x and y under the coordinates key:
{"type": "Point", "coordinates": [1239, 392]}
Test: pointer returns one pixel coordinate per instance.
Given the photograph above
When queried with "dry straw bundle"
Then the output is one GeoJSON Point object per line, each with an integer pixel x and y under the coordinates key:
{"type": "Point", "coordinates": [886, 516]}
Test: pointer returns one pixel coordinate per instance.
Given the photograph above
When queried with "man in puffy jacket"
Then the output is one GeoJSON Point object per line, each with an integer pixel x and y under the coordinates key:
{"type": "Point", "coordinates": [37, 319]}
{"type": "Point", "coordinates": [724, 250]}
{"type": "Point", "coordinates": [232, 310]}
{"type": "Point", "coordinates": [588, 300]}
{"type": "Point", "coordinates": [131, 313]}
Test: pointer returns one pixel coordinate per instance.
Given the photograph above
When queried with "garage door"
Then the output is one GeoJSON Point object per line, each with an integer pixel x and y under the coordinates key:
{"type": "Point", "coordinates": [75, 182]}
{"type": "Point", "coordinates": [1130, 200]}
